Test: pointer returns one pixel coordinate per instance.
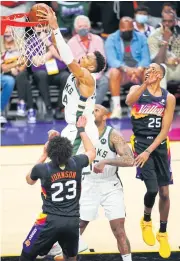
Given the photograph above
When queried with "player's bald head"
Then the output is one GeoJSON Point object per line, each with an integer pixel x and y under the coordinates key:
{"type": "Point", "coordinates": [101, 114]}
{"type": "Point", "coordinates": [101, 108]}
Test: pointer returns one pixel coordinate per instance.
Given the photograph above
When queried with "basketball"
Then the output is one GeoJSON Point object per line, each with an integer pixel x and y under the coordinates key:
{"type": "Point", "coordinates": [34, 11]}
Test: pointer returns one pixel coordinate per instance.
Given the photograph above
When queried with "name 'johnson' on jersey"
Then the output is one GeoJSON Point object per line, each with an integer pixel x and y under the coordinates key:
{"type": "Point", "coordinates": [147, 114]}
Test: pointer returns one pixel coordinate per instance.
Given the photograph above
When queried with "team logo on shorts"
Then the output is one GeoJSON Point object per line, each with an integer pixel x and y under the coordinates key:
{"type": "Point", "coordinates": [103, 141]}
{"type": "Point", "coordinates": [27, 243]}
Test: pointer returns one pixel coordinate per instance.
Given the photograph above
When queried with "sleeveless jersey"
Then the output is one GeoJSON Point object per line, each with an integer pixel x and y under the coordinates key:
{"type": "Point", "coordinates": [147, 114]}
{"type": "Point", "coordinates": [75, 104]}
{"type": "Point", "coordinates": [104, 151]}
{"type": "Point", "coordinates": [61, 187]}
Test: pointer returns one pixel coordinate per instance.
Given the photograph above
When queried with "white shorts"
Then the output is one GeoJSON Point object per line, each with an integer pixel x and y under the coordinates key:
{"type": "Point", "coordinates": [70, 132]}
{"type": "Point", "coordinates": [107, 193]}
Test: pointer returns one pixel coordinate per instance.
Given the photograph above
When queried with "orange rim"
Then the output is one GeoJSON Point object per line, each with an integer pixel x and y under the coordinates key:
{"type": "Point", "coordinates": [10, 20]}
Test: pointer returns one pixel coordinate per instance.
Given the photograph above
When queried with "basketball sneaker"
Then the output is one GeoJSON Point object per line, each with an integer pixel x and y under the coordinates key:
{"type": "Point", "coordinates": [147, 232]}
{"type": "Point", "coordinates": [116, 113]}
{"type": "Point", "coordinates": [164, 249]}
{"type": "Point", "coordinates": [82, 247]}
{"type": "Point", "coordinates": [55, 250]}
{"type": "Point", "coordinates": [2, 120]}
{"type": "Point", "coordinates": [31, 116]}
{"type": "Point", "coordinates": [21, 109]}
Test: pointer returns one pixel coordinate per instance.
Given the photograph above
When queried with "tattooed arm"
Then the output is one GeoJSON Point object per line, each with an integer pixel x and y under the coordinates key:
{"type": "Point", "coordinates": [125, 157]}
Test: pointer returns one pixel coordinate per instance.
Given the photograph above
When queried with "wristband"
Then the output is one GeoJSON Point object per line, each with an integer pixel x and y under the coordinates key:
{"type": "Point", "coordinates": [80, 129]}
{"type": "Point", "coordinates": [148, 151]}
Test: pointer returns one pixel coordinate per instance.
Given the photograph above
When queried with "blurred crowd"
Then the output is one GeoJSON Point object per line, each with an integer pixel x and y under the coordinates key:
{"type": "Point", "coordinates": [130, 34]}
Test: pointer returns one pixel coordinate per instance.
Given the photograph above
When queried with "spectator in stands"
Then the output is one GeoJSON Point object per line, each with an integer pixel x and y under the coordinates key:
{"type": "Point", "coordinates": [167, 8]}
{"type": "Point", "coordinates": [127, 55]}
{"type": "Point", "coordinates": [141, 20]}
{"type": "Point", "coordinates": [164, 45]}
{"type": "Point", "coordinates": [53, 72]}
{"type": "Point", "coordinates": [110, 13]}
{"type": "Point", "coordinates": [66, 11]}
{"type": "Point", "coordinates": [7, 85]}
{"type": "Point", "coordinates": [11, 65]}
{"type": "Point", "coordinates": [84, 42]}
{"type": "Point", "coordinates": [156, 7]}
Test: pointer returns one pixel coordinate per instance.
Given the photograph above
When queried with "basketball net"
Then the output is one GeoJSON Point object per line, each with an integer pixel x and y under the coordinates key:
{"type": "Point", "coordinates": [31, 39]}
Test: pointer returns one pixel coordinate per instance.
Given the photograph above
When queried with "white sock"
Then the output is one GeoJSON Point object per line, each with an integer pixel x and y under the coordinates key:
{"type": "Point", "coordinates": [127, 257]}
{"type": "Point", "coordinates": [116, 101]}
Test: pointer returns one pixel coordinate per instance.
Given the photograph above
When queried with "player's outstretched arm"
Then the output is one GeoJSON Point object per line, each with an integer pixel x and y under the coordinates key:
{"type": "Point", "coordinates": [126, 158]}
{"type": "Point", "coordinates": [90, 151]}
{"type": "Point", "coordinates": [166, 122]}
{"type": "Point", "coordinates": [83, 75]}
{"type": "Point", "coordinates": [32, 176]}
{"type": "Point", "coordinates": [123, 150]}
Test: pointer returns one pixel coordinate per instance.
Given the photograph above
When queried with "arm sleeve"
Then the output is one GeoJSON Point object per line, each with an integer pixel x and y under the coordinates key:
{"type": "Point", "coordinates": [36, 172]}
{"type": "Point", "coordinates": [82, 160]}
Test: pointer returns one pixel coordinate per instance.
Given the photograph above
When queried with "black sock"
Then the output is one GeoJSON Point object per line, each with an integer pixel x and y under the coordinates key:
{"type": "Point", "coordinates": [147, 216]}
{"type": "Point", "coordinates": [163, 226]}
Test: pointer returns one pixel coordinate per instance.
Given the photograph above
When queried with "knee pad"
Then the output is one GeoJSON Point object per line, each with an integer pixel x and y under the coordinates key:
{"type": "Point", "coordinates": [149, 198]}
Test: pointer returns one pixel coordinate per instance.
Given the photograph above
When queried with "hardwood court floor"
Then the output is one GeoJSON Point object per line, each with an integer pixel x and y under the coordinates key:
{"type": "Point", "coordinates": [21, 204]}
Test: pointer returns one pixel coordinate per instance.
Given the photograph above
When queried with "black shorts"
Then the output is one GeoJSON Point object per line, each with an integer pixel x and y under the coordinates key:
{"type": "Point", "coordinates": [158, 166]}
{"type": "Point", "coordinates": [49, 229]}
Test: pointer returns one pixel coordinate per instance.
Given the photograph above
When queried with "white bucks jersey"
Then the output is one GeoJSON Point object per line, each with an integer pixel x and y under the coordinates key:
{"type": "Point", "coordinates": [75, 104]}
{"type": "Point", "coordinates": [104, 151]}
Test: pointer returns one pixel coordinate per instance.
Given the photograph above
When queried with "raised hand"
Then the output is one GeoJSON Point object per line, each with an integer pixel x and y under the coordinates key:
{"type": "Point", "coordinates": [81, 123]}
{"type": "Point", "coordinates": [48, 16]}
{"type": "Point", "coordinates": [52, 134]}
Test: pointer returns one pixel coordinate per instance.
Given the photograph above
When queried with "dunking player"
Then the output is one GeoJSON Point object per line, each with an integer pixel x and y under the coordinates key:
{"type": "Point", "coordinates": [79, 93]}
{"type": "Point", "coordinates": [61, 186]}
{"type": "Point", "coordinates": [152, 115]}
{"type": "Point", "coordinates": [105, 188]}
{"type": "Point", "coordinates": [80, 90]}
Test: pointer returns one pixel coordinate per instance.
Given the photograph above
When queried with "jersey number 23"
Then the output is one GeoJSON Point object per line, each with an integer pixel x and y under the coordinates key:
{"type": "Point", "coordinates": [71, 189]}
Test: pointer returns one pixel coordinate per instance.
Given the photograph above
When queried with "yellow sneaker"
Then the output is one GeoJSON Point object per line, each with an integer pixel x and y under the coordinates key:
{"type": "Point", "coordinates": [164, 249]}
{"type": "Point", "coordinates": [147, 233]}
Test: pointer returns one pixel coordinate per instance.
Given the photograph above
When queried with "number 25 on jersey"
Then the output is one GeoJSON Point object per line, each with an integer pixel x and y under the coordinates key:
{"type": "Point", "coordinates": [154, 123]}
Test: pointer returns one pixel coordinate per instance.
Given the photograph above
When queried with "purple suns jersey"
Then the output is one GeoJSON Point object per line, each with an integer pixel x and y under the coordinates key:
{"type": "Point", "coordinates": [147, 114]}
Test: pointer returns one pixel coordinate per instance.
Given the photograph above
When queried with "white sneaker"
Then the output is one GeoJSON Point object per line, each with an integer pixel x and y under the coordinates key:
{"type": "Point", "coordinates": [31, 116]}
{"type": "Point", "coordinates": [40, 257]}
{"type": "Point", "coordinates": [2, 120]}
{"type": "Point", "coordinates": [116, 113]}
{"type": "Point", "coordinates": [82, 247]}
{"type": "Point", "coordinates": [56, 250]}
{"type": "Point", "coordinates": [21, 109]}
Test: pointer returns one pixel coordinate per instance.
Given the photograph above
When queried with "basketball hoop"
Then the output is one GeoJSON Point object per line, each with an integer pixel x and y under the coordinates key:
{"type": "Point", "coordinates": [30, 37]}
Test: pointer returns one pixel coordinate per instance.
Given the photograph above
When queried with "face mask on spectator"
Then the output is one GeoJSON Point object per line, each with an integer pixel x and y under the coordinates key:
{"type": "Point", "coordinates": [142, 19]}
{"type": "Point", "coordinates": [127, 35]}
{"type": "Point", "coordinates": [83, 31]}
